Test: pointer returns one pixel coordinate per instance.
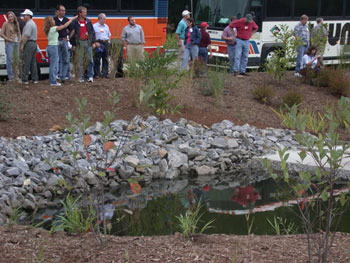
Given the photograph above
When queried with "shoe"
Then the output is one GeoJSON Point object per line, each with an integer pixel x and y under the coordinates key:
{"type": "Point", "coordinates": [91, 79]}
{"type": "Point", "coordinates": [244, 74]}
{"type": "Point", "coordinates": [81, 80]}
{"type": "Point", "coordinates": [235, 73]}
{"type": "Point", "coordinates": [35, 81]}
{"type": "Point", "coordinates": [297, 74]}
{"type": "Point", "coordinates": [24, 82]}
{"type": "Point", "coordinates": [55, 84]}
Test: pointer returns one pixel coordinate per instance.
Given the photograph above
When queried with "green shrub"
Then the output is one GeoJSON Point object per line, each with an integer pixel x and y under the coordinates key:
{"type": "Point", "coordinates": [292, 97]}
{"type": "Point", "coordinates": [217, 85]}
{"type": "Point", "coordinates": [324, 77]}
{"type": "Point", "coordinates": [263, 93]}
{"type": "Point", "coordinates": [339, 83]}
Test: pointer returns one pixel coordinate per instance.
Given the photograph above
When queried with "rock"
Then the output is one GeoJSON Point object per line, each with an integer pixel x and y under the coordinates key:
{"type": "Point", "coordinates": [13, 172]}
{"type": "Point", "coordinates": [205, 170]}
{"type": "Point", "coordinates": [162, 153]}
{"type": "Point", "coordinates": [219, 142]}
{"type": "Point", "coordinates": [232, 143]}
{"type": "Point", "coordinates": [90, 178]}
{"type": "Point", "coordinates": [21, 165]}
{"type": "Point", "coordinates": [172, 174]}
{"type": "Point", "coordinates": [163, 166]}
{"type": "Point", "coordinates": [132, 160]}
{"type": "Point", "coordinates": [28, 204]}
{"type": "Point", "coordinates": [176, 158]}
{"type": "Point", "coordinates": [125, 171]}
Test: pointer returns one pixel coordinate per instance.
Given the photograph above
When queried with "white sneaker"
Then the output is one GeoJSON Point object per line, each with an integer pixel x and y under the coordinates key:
{"type": "Point", "coordinates": [91, 79]}
{"type": "Point", "coordinates": [35, 82]}
{"type": "Point", "coordinates": [24, 82]}
{"type": "Point", "coordinates": [297, 74]}
{"type": "Point", "coordinates": [55, 84]}
{"type": "Point", "coordinates": [81, 80]}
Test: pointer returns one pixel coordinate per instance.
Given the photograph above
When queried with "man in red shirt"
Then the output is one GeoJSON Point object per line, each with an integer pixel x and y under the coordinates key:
{"type": "Point", "coordinates": [245, 28]}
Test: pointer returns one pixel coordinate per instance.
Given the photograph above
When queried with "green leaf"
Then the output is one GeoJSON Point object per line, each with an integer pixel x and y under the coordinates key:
{"type": "Point", "coordinates": [134, 137]}
{"type": "Point", "coordinates": [302, 155]}
{"type": "Point", "coordinates": [132, 181]}
{"type": "Point", "coordinates": [324, 195]}
{"type": "Point", "coordinates": [342, 199]}
{"type": "Point", "coordinates": [102, 174]}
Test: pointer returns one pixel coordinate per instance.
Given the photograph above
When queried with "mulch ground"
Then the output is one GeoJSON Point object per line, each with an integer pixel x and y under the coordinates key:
{"type": "Point", "coordinates": [37, 108]}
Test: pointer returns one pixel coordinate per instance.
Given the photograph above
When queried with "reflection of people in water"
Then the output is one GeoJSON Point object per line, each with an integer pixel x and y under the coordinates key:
{"type": "Point", "coordinates": [245, 196]}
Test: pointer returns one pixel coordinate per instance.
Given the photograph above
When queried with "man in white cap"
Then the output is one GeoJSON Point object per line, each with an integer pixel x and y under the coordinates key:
{"type": "Point", "coordinates": [28, 48]}
{"type": "Point", "coordinates": [180, 36]}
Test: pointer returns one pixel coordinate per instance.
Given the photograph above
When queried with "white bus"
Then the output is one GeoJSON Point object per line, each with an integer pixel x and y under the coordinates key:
{"type": "Point", "coordinates": [270, 13]}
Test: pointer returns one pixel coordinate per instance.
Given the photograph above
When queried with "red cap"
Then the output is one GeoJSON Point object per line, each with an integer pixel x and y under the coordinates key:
{"type": "Point", "coordinates": [204, 24]}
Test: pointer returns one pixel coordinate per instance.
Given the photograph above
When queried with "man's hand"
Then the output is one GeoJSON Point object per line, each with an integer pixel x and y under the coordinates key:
{"type": "Point", "coordinates": [73, 48]}
{"type": "Point", "coordinates": [97, 44]}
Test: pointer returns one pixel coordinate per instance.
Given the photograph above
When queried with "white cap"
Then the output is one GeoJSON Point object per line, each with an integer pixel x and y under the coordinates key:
{"type": "Point", "coordinates": [185, 13]}
{"type": "Point", "coordinates": [27, 12]}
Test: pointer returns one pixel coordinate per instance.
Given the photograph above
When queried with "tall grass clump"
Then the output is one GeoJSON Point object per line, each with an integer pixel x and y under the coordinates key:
{"type": "Point", "coordinates": [292, 97]}
{"type": "Point", "coordinates": [263, 93]}
{"type": "Point", "coordinates": [115, 57]}
{"type": "Point", "coordinates": [217, 85]}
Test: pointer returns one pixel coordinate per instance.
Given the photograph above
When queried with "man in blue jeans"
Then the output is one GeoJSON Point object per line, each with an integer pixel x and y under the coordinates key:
{"type": "Point", "coordinates": [301, 32]}
{"type": "Point", "coordinates": [245, 28]}
{"type": "Point", "coordinates": [229, 35]}
{"type": "Point", "coordinates": [63, 48]}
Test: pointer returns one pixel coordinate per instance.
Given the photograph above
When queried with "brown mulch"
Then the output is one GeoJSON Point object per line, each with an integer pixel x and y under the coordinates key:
{"type": "Point", "coordinates": [37, 108]}
{"type": "Point", "coordinates": [25, 244]}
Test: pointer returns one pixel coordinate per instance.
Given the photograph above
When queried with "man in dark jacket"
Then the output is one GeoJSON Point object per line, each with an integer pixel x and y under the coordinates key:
{"type": "Point", "coordinates": [83, 40]}
{"type": "Point", "coordinates": [63, 48]}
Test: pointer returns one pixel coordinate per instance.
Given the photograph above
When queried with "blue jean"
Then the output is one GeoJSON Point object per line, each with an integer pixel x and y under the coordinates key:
{"type": "Point", "coordinates": [86, 45]}
{"type": "Point", "coordinates": [203, 53]}
{"type": "Point", "coordinates": [231, 50]}
{"type": "Point", "coordinates": [64, 59]}
{"type": "Point", "coordinates": [301, 52]}
{"type": "Point", "coordinates": [9, 50]}
{"type": "Point", "coordinates": [190, 51]}
{"type": "Point", "coordinates": [241, 56]}
{"type": "Point", "coordinates": [52, 52]}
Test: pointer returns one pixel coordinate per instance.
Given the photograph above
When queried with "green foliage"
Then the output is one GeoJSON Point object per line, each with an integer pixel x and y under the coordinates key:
{"type": "Point", "coordinates": [263, 93]}
{"type": "Point", "coordinates": [217, 85]}
{"type": "Point", "coordinates": [339, 83]}
{"type": "Point", "coordinates": [189, 222]}
{"type": "Point", "coordinates": [171, 41]}
{"type": "Point", "coordinates": [315, 192]}
{"type": "Point", "coordinates": [73, 220]}
{"type": "Point", "coordinates": [6, 107]}
{"type": "Point", "coordinates": [16, 213]}
{"type": "Point", "coordinates": [292, 97]}
{"type": "Point", "coordinates": [249, 218]}
{"type": "Point", "coordinates": [285, 54]}
{"type": "Point", "coordinates": [344, 57]}
{"type": "Point", "coordinates": [343, 112]}
{"type": "Point", "coordinates": [281, 226]}
{"type": "Point", "coordinates": [324, 76]}
{"type": "Point", "coordinates": [115, 55]}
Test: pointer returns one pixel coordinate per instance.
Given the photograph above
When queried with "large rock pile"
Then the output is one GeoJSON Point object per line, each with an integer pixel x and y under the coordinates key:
{"type": "Point", "coordinates": [33, 170]}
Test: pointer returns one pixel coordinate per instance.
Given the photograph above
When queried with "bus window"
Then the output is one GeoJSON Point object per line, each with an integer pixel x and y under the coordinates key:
{"type": "Point", "coordinates": [332, 8]}
{"type": "Point", "coordinates": [100, 4]}
{"type": "Point", "coordinates": [306, 7]}
{"type": "Point", "coordinates": [278, 8]}
{"type": "Point", "coordinates": [347, 10]}
{"type": "Point", "coordinates": [218, 13]}
{"type": "Point", "coordinates": [14, 4]}
{"type": "Point", "coordinates": [135, 5]}
{"type": "Point", "coordinates": [51, 4]}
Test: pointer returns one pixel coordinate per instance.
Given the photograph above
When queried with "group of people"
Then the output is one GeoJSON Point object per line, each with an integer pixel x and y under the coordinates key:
{"type": "Point", "coordinates": [312, 46]}
{"type": "Point", "coordinates": [194, 43]}
{"type": "Point", "coordinates": [63, 35]}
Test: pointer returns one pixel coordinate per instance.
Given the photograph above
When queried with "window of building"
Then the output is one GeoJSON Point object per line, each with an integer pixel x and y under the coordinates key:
{"type": "Point", "coordinates": [17, 4]}
{"type": "Point", "coordinates": [332, 8]}
{"type": "Point", "coordinates": [51, 4]}
{"type": "Point", "coordinates": [278, 8]}
{"type": "Point", "coordinates": [100, 4]}
{"type": "Point", "coordinates": [305, 7]}
{"type": "Point", "coordinates": [136, 5]}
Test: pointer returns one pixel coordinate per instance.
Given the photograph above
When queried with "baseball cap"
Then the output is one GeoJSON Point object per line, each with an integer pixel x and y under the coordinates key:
{"type": "Point", "coordinates": [249, 18]}
{"type": "Point", "coordinates": [185, 13]}
{"type": "Point", "coordinates": [27, 12]}
{"type": "Point", "coordinates": [204, 24]}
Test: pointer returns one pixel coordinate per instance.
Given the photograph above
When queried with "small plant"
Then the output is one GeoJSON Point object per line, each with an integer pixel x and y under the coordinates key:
{"type": "Point", "coordinates": [171, 41]}
{"type": "Point", "coordinates": [263, 93]}
{"type": "Point", "coordinates": [324, 76]}
{"type": "Point", "coordinates": [14, 217]}
{"type": "Point", "coordinates": [115, 57]}
{"type": "Point", "coordinates": [188, 223]}
{"type": "Point", "coordinates": [292, 97]}
{"type": "Point", "coordinates": [5, 105]}
{"type": "Point", "coordinates": [217, 85]}
{"type": "Point", "coordinates": [73, 219]}
{"type": "Point", "coordinates": [285, 54]}
{"type": "Point", "coordinates": [281, 226]}
{"type": "Point", "coordinates": [250, 222]}
{"type": "Point", "coordinates": [339, 83]}
{"type": "Point", "coordinates": [343, 112]}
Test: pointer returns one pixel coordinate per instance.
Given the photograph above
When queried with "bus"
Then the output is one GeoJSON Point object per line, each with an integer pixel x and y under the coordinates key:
{"type": "Point", "coordinates": [152, 15]}
{"type": "Point", "coordinates": [270, 14]}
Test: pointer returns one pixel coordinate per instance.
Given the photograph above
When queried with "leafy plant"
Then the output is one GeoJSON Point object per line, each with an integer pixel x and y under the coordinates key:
{"type": "Point", "coordinates": [281, 226]}
{"type": "Point", "coordinates": [343, 112]}
{"type": "Point", "coordinates": [285, 54]}
{"type": "Point", "coordinates": [16, 213]}
{"type": "Point", "coordinates": [73, 219]}
{"type": "Point", "coordinates": [189, 222]}
{"type": "Point", "coordinates": [263, 93]}
{"type": "Point", "coordinates": [171, 42]}
{"type": "Point", "coordinates": [318, 206]}
{"type": "Point", "coordinates": [292, 97]}
{"type": "Point", "coordinates": [217, 85]}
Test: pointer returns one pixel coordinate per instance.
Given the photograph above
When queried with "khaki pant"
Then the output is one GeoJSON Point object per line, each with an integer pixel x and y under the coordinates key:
{"type": "Point", "coordinates": [180, 54]}
{"type": "Point", "coordinates": [135, 52]}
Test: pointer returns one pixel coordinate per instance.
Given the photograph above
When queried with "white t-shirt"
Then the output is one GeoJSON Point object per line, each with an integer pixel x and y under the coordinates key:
{"type": "Point", "coordinates": [307, 59]}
